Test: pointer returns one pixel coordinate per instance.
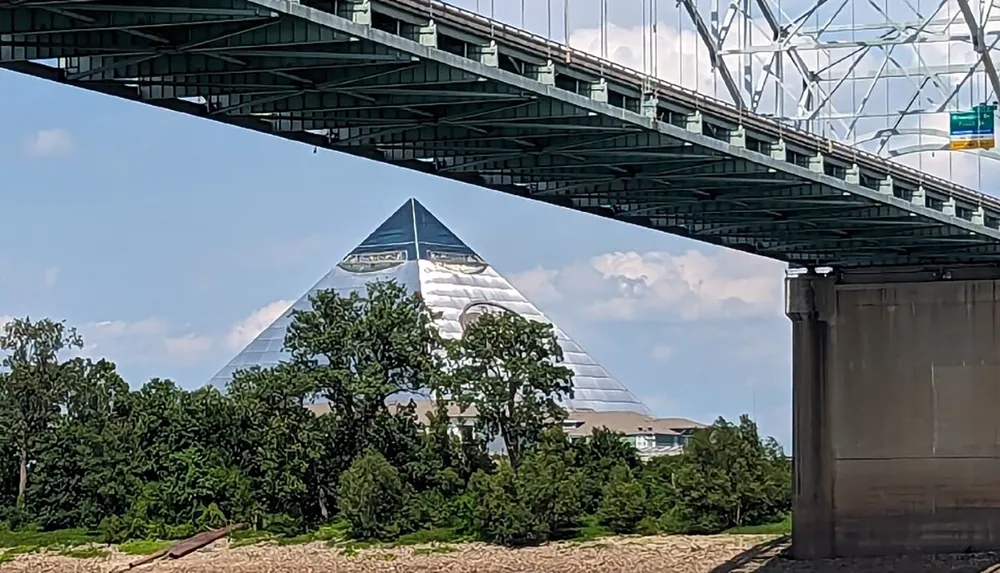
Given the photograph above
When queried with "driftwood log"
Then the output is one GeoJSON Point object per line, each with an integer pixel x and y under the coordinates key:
{"type": "Point", "coordinates": [187, 546]}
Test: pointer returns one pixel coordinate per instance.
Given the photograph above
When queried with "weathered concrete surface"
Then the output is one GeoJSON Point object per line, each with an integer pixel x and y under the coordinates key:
{"type": "Point", "coordinates": [896, 412]}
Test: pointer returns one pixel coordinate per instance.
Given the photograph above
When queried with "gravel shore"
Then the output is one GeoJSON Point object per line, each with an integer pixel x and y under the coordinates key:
{"type": "Point", "coordinates": [673, 554]}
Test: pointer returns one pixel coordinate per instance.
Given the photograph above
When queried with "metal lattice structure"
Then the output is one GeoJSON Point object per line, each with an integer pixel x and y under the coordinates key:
{"type": "Point", "coordinates": [426, 86]}
{"type": "Point", "coordinates": [881, 75]}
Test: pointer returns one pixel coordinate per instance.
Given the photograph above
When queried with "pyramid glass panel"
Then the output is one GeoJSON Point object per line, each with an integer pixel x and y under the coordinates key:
{"type": "Point", "coordinates": [414, 248]}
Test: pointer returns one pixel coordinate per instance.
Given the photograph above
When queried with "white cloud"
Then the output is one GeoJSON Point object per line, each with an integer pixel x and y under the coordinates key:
{"type": "Point", "coordinates": [50, 276]}
{"type": "Point", "coordinates": [152, 340]}
{"type": "Point", "coordinates": [660, 286]}
{"type": "Point", "coordinates": [50, 142]}
{"type": "Point", "coordinates": [539, 282]}
{"type": "Point", "coordinates": [189, 345]}
{"type": "Point", "coordinates": [681, 57]}
{"type": "Point", "coordinates": [157, 341]}
{"type": "Point", "coordinates": [243, 332]}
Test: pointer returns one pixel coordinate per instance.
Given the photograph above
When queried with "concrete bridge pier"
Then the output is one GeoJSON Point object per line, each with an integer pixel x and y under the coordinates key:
{"type": "Point", "coordinates": [896, 412]}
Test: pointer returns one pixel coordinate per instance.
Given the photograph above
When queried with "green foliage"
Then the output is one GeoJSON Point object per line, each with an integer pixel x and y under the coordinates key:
{"type": "Point", "coordinates": [508, 367]}
{"type": "Point", "coordinates": [143, 546]}
{"type": "Point", "coordinates": [372, 497]}
{"type": "Point", "coordinates": [112, 464]}
{"type": "Point", "coordinates": [84, 552]}
{"type": "Point", "coordinates": [34, 384]}
{"type": "Point", "coordinates": [539, 502]}
{"type": "Point", "coordinates": [623, 503]}
{"type": "Point", "coordinates": [783, 527]}
{"type": "Point", "coordinates": [598, 455]}
{"type": "Point", "coordinates": [729, 477]}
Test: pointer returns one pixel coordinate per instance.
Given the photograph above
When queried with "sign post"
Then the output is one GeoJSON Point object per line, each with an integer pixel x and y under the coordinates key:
{"type": "Point", "coordinates": [973, 129]}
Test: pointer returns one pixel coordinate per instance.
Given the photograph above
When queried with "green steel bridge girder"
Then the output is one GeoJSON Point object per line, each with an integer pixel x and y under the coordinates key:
{"type": "Point", "coordinates": [455, 95]}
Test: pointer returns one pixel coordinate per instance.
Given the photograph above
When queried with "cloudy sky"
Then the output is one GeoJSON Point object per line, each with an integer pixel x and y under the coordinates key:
{"type": "Point", "coordinates": [171, 242]}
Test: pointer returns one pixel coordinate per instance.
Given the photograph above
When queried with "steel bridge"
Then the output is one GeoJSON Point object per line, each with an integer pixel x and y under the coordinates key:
{"type": "Point", "coordinates": [427, 86]}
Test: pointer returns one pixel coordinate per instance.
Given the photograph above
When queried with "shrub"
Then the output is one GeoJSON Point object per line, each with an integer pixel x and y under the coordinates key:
{"type": "Point", "coordinates": [372, 497]}
{"type": "Point", "coordinates": [494, 511]}
{"type": "Point", "coordinates": [623, 501]}
{"type": "Point", "coordinates": [539, 502]}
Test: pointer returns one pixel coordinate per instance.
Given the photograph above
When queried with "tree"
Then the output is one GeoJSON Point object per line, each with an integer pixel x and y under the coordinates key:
{"type": "Point", "coordinates": [658, 479]}
{"type": "Point", "coordinates": [283, 443]}
{"type": "Point", "coordinates": [34, 383]}
{"type": "Point", "coordinates": [359, 351]}
{"type": "Point", "coordinates": [598, 455]}
{"type": "Point", "coordinates": [623, 502]}
{"type": "Point", "coordinates": [82, 465]}
{"type": "Point", "coordinates": [533, 505]}
{"type": "Point", "coordinates": [728, 477]}
{"type": "Point", "coordinates": [508, 367]}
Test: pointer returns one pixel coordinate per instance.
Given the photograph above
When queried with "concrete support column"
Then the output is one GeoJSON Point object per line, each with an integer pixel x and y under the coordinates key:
{"type": "Point", "coordinates": [808, 304]}
{"type": "Point", "coordinates": [896, 411]}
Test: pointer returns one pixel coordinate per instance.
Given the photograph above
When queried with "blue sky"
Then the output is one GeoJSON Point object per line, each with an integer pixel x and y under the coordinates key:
{"type": "Point", "coordinates": [165, 239]}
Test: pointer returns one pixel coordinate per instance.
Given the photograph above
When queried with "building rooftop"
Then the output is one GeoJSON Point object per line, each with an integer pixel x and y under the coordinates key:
{"type": "Point", "coordinates": [578, 422]}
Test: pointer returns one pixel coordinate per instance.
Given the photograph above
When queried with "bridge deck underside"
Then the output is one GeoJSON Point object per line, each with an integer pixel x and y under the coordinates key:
{"type": "Point", "coordinates": [308, 76]}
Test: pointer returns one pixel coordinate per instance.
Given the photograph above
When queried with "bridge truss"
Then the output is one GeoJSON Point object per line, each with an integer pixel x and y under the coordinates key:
{"type": "Point", "coordinates": [429, 87]}
{"type": "Point", "coordinates": [881, 75]}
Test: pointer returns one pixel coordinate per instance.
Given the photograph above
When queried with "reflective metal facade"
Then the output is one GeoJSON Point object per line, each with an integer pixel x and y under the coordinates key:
{"type": "Point", "coordinates": [415, 249]}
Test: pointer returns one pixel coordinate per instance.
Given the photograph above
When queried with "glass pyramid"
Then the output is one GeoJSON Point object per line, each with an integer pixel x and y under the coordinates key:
{"type": "Point", "coordinates": [416, 250]}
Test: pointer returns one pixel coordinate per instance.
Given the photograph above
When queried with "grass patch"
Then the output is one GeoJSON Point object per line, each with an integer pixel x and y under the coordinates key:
{"type": "Point", "coordinates": [589, 530]}
{"type": "Point", "coordinates": [381, 556]}
{"type": "Point", "coordinates": [43, 539]}
{"type": "Point", "coordinates": [331, 534]}
{"type": "Point", "coordinates": [92, 552]}
{"type": "Point", "coordinates": [435, 550]}
{"type": "Point", "coordinates": [428, 536]}
{"type": "Point", "coordinates": [352, 548]}
{"type": "Point", "coordinates": [783, 527]}
{"type": "Point", "coordinates": [296, 539]}
{"type": "Point", "coordinates": [143, 546]}
{"type": "Point", "coordinates": [249, 537]}
{"type": "Point", "coordinates": [12, 552]}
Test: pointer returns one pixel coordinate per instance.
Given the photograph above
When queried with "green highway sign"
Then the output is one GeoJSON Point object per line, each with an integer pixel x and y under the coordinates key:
{"type": "Point", "coordinates": [977, 121]}
{"type": "Point", "coordinates": [973, 129]}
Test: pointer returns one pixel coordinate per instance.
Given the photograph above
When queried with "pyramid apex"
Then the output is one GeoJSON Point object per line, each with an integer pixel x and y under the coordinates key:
{"type": "Point", "coordinates": [411, 233]}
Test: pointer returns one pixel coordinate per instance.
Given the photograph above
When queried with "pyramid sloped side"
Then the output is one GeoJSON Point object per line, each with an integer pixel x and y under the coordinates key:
{"type": "Point", "coordinates": [266, 350]}
{"type": "Point", "coordinates": [450, 291]}
{"type": "Point", "coordinates": [433, 236]}
{"type": "Point", "coordinates": [395, 233]}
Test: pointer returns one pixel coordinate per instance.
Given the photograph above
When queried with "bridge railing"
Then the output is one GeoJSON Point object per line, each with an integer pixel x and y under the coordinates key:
{"type": "Point", "coordinates": [691, 99]}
